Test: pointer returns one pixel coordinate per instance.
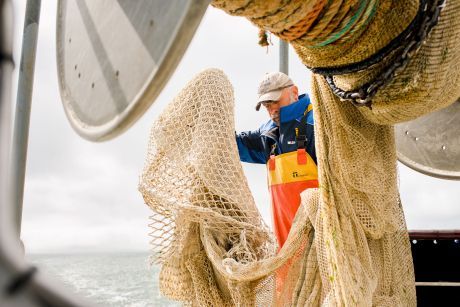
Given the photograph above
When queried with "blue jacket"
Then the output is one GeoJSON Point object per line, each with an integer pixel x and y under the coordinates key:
{"type": "Point", "coordinates": [256, 146]}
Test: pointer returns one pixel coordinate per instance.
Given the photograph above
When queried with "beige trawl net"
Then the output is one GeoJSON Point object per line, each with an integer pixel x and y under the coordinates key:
{"type": "Point", "coordinates": [348, 245]}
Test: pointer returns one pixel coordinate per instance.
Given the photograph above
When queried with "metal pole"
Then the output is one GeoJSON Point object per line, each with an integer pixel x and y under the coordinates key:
{"type": "Point", "coordinates": [38, 290]}
{"type": "Point", "coordinates": [6, 71]}
{"type": "Point", "coordinates": [23, 104]}
{"type": "Point", "coordinates": [284, 57]}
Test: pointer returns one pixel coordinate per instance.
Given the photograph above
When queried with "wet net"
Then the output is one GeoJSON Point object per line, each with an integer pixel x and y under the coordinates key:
{"type": "Point", "coordinates": [348, 245]}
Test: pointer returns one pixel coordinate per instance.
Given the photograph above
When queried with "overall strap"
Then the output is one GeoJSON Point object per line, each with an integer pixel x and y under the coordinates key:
{"type": "Point", "coordinates": [301, 138]}
{"type": "Point", "coordinates": [301, 132]}
{"type": "Point", "coordinates": [273, 150]}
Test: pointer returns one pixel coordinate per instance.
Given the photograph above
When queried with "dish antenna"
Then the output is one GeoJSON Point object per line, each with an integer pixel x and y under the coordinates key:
{"type": "Point", "coordinates": [431, 144]}
{"type": "Point", "coordinates": [115, 57]}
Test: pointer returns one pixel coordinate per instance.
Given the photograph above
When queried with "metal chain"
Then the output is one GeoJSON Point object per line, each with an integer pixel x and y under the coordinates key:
{"type": "Point", "coordinates": [364, 95]}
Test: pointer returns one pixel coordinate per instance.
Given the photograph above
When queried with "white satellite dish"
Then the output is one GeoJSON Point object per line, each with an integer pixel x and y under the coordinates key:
{"type": "Point", "coordinates": [431, 143]}
{"type": "Point", "coordinates": [114, 58]}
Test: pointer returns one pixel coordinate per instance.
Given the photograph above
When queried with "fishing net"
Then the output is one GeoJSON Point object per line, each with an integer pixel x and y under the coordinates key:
{"type": "Point", "coordinates": [348, 245]}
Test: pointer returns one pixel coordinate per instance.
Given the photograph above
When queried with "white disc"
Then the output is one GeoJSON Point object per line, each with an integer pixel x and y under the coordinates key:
{"type": "Point", "coordinates": [431, 144]}
{"type": "Point", "coordinates": [114, 58]}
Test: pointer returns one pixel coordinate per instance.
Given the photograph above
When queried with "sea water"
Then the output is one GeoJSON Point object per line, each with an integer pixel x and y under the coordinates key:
{"type": "Point", "coordinates": [124, 279]}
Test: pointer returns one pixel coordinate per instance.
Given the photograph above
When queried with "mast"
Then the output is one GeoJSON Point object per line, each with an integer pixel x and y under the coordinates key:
{"type": "Point", "coordinates": [284, 57]}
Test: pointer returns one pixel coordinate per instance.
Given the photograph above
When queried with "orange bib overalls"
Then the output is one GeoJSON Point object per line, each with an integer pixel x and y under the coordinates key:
{"type": "Point", "coordinates": [288, 175]}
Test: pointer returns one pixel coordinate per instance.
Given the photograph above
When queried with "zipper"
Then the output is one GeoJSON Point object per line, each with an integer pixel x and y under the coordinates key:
{"type": "Point", "coordinates": [269, 135]}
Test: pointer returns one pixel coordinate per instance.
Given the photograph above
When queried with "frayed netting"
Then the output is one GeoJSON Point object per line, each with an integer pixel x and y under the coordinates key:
{"type": "Point", "coordinates": [348, 245]}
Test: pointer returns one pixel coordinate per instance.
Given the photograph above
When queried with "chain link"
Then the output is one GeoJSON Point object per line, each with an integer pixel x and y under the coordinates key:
{"type": "Point", "coordinates": [364, 95]}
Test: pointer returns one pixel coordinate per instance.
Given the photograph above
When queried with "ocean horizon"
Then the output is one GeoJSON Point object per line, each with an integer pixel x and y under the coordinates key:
{"type": "Point", "coordinates": [106, 278]}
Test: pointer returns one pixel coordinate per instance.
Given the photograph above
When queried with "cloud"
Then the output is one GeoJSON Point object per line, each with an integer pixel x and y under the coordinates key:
{"type": "Point", "coordinates": [429, 203]}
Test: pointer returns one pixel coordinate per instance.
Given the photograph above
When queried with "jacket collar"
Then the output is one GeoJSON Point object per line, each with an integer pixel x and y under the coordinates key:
{"type": "Point", "coordinates": [295, 110]}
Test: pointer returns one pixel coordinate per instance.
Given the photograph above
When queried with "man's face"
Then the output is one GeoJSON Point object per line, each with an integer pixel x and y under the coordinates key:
{"type": "Point", "coordinates": [288, 96]}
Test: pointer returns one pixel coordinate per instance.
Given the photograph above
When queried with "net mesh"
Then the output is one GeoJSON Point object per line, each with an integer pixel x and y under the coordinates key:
{"type": "Point", "coordinates": [348, 245]}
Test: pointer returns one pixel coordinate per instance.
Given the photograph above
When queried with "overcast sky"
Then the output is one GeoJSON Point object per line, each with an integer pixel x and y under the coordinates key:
{"type": "Point", "coordinates": [82, 196]}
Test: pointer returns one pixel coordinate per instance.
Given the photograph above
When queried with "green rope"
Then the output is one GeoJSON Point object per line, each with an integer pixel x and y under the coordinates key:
{"type": "Point", "coordinates": [368, 15]}
{"type": "Point", "coordinates": [335, 36]}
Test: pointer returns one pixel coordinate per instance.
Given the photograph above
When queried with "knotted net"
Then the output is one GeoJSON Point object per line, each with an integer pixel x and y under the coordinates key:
{"type": "Point", "coordinates": [348, 245]}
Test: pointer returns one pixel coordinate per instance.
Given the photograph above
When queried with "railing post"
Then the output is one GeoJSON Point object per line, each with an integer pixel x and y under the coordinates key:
{"type": "Point", "coordinates": [23, 104]}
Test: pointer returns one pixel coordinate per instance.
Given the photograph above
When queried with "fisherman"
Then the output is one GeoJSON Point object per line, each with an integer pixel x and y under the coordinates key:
{"type": "Point", "coordinates": [286, 144]}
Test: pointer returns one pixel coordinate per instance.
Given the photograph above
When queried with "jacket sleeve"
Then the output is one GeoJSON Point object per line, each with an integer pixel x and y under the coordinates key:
{"type": "Point", "coordinates": [251, 147]}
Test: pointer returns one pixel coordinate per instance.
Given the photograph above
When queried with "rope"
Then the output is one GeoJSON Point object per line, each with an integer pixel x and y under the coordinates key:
{"type": "Point", "coordinates": [300, 28]}
{"type": "Point", "coordinates": [375, 58]}
{"type": "Point", "coordinates": [349, 22]}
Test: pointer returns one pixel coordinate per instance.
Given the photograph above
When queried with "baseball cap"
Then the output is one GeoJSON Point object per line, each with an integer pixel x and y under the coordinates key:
{"type": "Point", "coordinates": [271, 86]}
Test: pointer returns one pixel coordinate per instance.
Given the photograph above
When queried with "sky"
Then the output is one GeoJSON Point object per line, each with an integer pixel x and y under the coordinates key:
{"type": "Point", "coordinates": [82, 196]}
